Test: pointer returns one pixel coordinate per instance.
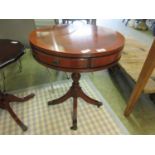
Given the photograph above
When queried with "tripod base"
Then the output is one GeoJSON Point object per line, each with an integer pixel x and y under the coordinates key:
{"type": "Point", "coordinates": [5, 100]}
{"type": "Point", "coordinates": [75, 91]}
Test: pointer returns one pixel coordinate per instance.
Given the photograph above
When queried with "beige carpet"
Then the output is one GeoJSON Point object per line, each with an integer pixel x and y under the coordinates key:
{"type": "Point", "coordinates": [43, 119]}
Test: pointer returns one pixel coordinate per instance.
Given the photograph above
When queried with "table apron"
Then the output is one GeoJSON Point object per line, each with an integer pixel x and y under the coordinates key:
{"type": "Point", "coordinates": [75, 63]}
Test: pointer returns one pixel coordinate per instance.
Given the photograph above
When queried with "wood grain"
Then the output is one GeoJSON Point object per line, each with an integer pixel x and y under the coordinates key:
{"type": "Point", "coordinates": [78, 48]}
{"type": "Point", "coordinates": [132, 59]}
{"type": "Point", "coordinates": [145, 74]}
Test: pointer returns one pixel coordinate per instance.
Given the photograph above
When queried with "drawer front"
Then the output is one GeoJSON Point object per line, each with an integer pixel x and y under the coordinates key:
{"type": "Point", "coordinates": [61, 61]}
{"type": "Point", "coordinates": [103, 61]}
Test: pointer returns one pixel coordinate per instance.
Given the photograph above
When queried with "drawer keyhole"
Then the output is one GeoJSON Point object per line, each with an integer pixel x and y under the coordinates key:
{"type": "Point", "coordinates": [55, 62]}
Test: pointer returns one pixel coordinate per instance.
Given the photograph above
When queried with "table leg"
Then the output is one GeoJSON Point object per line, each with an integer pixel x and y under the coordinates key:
{"type": "Point", "coordinates": [75, 91]}
{"type": "Point", "coordinates": [88, 99]}
{"type": "Point", "coordinates": [142, 80]}
{"type": "Point", "coordinates": [74, 119]}
{"type": "Point", "coordinates": [15, 117]}
{"type": "Point", "coordinates": [5, 100]}
{"type": "Point", "coordinates": [61, 99]}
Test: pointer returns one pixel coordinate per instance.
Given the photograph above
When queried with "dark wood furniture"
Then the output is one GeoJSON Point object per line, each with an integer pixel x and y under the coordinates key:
{"type": "Point", "coordinates": [10, 51]}
{"type": "Point", "coordinates": [76, 48]}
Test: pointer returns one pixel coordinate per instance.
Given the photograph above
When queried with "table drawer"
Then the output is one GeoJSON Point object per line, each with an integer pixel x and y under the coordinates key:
{"type": "Point", "coordinates": [61, 61]}
{"type": "Point", "coordinates": [103, 61]}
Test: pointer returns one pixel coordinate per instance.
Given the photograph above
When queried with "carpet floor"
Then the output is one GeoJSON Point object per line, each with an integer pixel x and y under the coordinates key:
{"type": "Point", "coordinates": [42, 119]}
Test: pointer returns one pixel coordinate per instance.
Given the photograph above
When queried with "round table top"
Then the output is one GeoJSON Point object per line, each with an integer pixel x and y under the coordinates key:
{"type": "Point", "coordinates": [77, 40]}
{"type": "Point", "coordinates": [10, 51]}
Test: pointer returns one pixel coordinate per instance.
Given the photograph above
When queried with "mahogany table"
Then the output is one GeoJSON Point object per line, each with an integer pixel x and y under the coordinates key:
{"type": "Point", "coordinates": [10, 51]}
{"type": "Point", "coordinates": [76, 48]}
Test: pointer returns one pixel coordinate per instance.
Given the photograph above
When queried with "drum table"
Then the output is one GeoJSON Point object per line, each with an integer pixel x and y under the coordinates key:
{"type": "Point", "coordinates": [76, 48]}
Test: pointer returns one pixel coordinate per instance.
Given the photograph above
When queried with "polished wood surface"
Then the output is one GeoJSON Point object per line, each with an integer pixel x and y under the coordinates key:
{"type": "Point", "coordinates": [10, 51]}
{"type": "Point", "coordinates": [76, 47]}
{"type": "Point", "coordinates": [145, 74]}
